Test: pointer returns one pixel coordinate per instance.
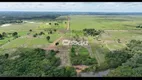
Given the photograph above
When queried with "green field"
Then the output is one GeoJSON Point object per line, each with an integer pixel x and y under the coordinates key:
{"type": "Point", "coordinates": [79, 22]}
{"type": "Point", "coordinates": [28, 40]}
{"type": "Point", "coordinates": [115, 27]}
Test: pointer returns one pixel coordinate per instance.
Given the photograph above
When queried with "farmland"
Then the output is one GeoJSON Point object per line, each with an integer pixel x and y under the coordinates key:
{"type": "Point", "coordinates": [113, 32]}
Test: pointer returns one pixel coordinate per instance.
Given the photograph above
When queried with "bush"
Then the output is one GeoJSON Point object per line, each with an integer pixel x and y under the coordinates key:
{"type": "Point", "coordinates": [6, 55]}
{"type": "Point", "coordinates": [57, 43]}
{"type": "Point", "coordinates": [116, 58]}
{"type": "Point", "coordinates": [41, 33]}
{"type": "Point", "coordinates": [92, 32]}
{"type": "Point", "coordinates": [103, 66]}
{"type": "Point", "coordinates": [82, 60]}
{"type": "Point", "coordinates": [16, 36]}
{"type": "Point", "coordinates": [35, 35]}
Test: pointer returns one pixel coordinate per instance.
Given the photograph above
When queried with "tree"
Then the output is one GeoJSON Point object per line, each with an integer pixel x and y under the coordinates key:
{"type": "Point", "coordinates": [57, 43]}
{"type": "Point", "coordinates": [73, 50]}
{"type": "Point", "coordinates": [1, 37]}
{"type": "Point", "coordinates": [57, 51]}
{"type": "Point", "coordinates": [49, 23]}
{"type": "Point", "coordinates": [116, 58]}
{"type": "Point", "coordinates": [6, 55]}
{"type": "Point", "coordinates": [4, 34]}
{"type": "Point", "coordinates": [139, 26]}
{"type": "Point", "coordinates": [72, 53]}
{"type": "Point", "coordinates": [41, 33]}
{"type": "Point", "coordinates": [121, 71]}
{"type": "Point", "coordinates": [133, 66]}
{"type": "Point", "coordinates": [55, 23]}
{"type": "Point", "coordinates": [30, 30]}
{"type": "Point", "coordinates": [14, 34]}
{"type": "Point", "coordinates": [33, 62]}
{"type": "Point", "coordinates": [55, 30]}
{"type": "Point", "coordinates": [35, 35]}
{"type": "Point", "coordinates": [48, 38]}
{"type": "Point", "coordinates": [92, 32]}
{"type": "Point", "coordinates": [118, 40]}
{"type": "Point", "coordinates": [50, 32]}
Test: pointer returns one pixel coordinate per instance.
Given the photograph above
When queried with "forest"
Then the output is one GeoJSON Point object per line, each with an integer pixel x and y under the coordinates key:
{"type": "Point", "coordinates": [33, 63]}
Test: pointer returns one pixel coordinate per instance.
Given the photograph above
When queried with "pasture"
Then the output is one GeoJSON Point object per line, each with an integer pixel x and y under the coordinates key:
{"type": "Point", "coordinates": [79, 22]}
{"type": "Point", "coordinates": [115, 28]}
{"type": "Point", "coordinates": [28, 40]}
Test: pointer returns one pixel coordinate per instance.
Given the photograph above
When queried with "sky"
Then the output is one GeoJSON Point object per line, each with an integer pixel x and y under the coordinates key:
{"type": "Point", "coordinates": [72, 6]}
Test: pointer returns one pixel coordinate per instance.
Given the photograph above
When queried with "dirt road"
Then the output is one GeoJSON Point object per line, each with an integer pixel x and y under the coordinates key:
{"type": "Point", "coordinates": [52, 45]}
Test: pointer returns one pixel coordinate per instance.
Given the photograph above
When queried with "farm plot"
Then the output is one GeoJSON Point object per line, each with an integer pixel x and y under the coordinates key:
{"type": "Point", "coordinates": [31, 41]}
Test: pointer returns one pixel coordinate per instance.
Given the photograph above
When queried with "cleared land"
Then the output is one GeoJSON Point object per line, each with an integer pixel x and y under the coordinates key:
{"type": "Point", "coordinates": [115, 27]}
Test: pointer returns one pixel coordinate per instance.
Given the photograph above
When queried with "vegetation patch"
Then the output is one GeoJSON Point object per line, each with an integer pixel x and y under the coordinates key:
{"type": "Point", "coordinates": [34, 62]}
{"type": "Point", "coordinates": [132, 66]}
{"type": "Point", "coordinates": [81, 59]}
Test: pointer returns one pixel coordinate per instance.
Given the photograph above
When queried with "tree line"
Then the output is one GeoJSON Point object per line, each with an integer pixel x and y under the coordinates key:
{"type": "Point", "coordinates": [10, 21]}
{"type": "Point", "coordinates": [34, 63]}
{"type": "Point", "coordinates": [139, 26]}
{"type": "Point", "coordinates": [133, 65]}
{"type": "Point", "coordinates": [92, 32]}
{"type": "Point", "coordinates": [5, 35]}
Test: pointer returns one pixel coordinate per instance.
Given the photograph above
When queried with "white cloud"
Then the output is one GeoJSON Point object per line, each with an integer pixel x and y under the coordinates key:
{"type": "Point", "coordinates": [73, 6]}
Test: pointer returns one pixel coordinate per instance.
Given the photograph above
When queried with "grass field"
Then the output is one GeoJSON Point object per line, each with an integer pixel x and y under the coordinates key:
{"type": "Point", "coordinates": [31, 42]}
{"type": "Point", "coordinates": [115, 27]}
{"type": "Point", "coordinates": [28, 40]}
{"type": "Point", "coordinates": [79, 22]}
{"type": "Point", "coordinates": [98, 50]}
{"type": "Point", "coordinates": [83, 51]}
{"type": "Point", "coordinates": [108, 42]}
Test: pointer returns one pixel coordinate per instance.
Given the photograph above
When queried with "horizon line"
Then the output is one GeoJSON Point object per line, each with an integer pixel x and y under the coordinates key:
{"type": "Point", "coordinates": [68, 11]}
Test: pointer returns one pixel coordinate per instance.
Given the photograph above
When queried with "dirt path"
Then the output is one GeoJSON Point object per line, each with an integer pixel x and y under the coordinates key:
{"type": "Point", "coordinates": [79, 68]}
{"type": "Point", "coordinates": [68, 24]}
{"type": "Point", "coordinates": [108, 47]}
{"type": "Point", "coordinates": [52, 45]}
{"type": "Point", "coordinates": [92, 51]}
{"type": "Point", "coordinates": [64, 56]}
{"type": "Point", "coordinates": [64, 50]}
{"type": "Point", "coordinates": [96, 56]}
